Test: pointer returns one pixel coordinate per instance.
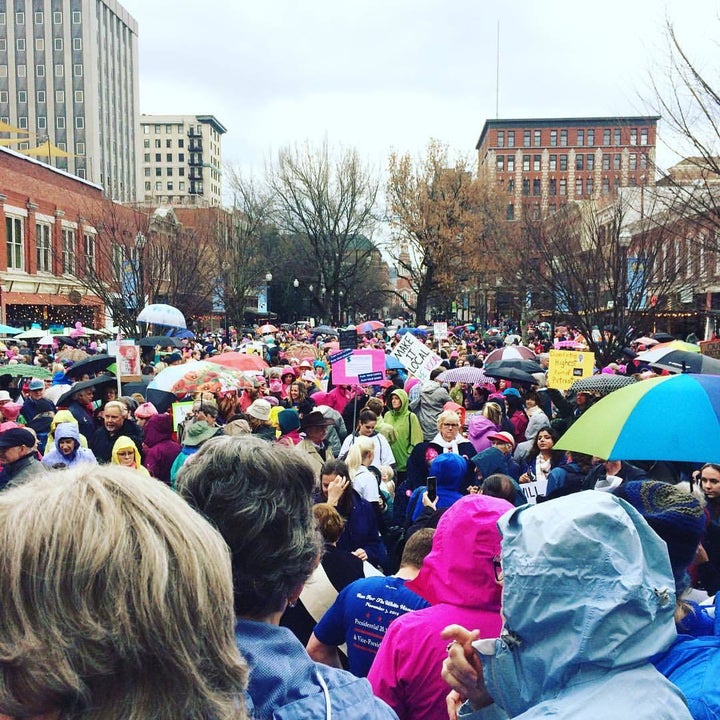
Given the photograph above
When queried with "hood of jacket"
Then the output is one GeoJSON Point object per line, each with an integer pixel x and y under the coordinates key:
{"type": "Point", "coordinates": [157, 428]}
{"type": "Point", "coordinates": [479, 427]}
{"type": "Point", "coordinates": [403, 404]}
{"type": "Point", "coordinates": [466, 578]}
{"type": "Point", "coordinates": [588, 591]}
{"type": "Point", "coordinates": [123, 443]}
{"type": "Point", "coordinates": [65, 430]}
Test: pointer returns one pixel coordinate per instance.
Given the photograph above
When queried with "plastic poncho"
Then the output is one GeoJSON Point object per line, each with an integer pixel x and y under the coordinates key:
{"type": "Point", "coordinates": [124, 443]}
{"type": "Point", "coordinates": [408, 432]}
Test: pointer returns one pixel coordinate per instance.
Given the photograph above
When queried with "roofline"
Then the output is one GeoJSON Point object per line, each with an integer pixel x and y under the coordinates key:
{"type": "Point", "coordinates": [529, 122]}
{"type": "Point", "coordinates": [212, 120]}
{"type": "Point", "coordinates": [150, 119]}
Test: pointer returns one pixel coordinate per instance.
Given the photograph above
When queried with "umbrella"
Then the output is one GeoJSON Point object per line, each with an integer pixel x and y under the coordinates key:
{"type": "Point", "coordinates": [324, 330]}
{"type": "Point", "coordinates": [470, 375]}
{"type": "Point", "coordinates": [160, 314]}
{"type": "Point", "coordinates": [161, 340]}
{"type": "Point", "coordinates": [267, 329]}
{"type": "Point", "coordinates": [657, 353]}
{"type": "Point", "coordinates": [675, 418]}
{"type": "Point", "coordinates": [677, 345]}
{"type": "Point", "coordinates": [93, 383]}
{"type": "Point", "coordinates": [369, 326]}
{"type": "Point", "coordinates": [418, 332]}
{"type": "Point", "coordinates": [198, 376]}
{"type": "Point", "coordinates": [392, 363]}
{"type": "Point", "coordinates": [90, 365]}
{"type": "Point", "coordinates": [7, 330]}
{"type": "Point", "coordinates": [510, 339]}
{"type": "Point", "coordinates": [239, 361]}
{"type": "Point", "coordinates": [528, 366]}
{"type": "Point", "coordinates": [46, 340]}
{"type": "Point", "coordinates": [646, 341]}
{"type": "Point", "coordinates": [48, 150]}
{"type": "Point", "coordinates": [511, 373]}
{"type": "Point", "coordinates": [32, 334]}
{"type": "Point", "coordinates": [603, 383]}
{"type": "Point", "coordinates": [686, 362]}
{"type": "Point", "coordinates": [135, 387]}
{"type": "Point", "coordinates": [663, 337]}
{"type": "Point", "coordinates": [24, 370]}
{"type": "Point", "coordinates": [512, 352]}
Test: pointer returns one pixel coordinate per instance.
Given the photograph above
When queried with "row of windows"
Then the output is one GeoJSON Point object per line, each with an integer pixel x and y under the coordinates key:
{"type": "Point", "coordinates": [582, 162]}
{"type": "Point", "coordinates": [169, 185]}
{"type": "Point", "coordinates": [169, 128]}
{"type": "Point", "coordinates": [168, 143]}
{"type": "Point", "coordinates": [39, 17]}
{"type": "Point", "coordinates": [559, 186]}
{"type": "Point", "coordinates": [58, 44]}
{"type": "Point", "coordinates": [158, 158]}
{"type": "Point", "coordinates": [40, 70]}
{"type": "Point", "coordinates": [42, 122]}
{"type": "Point", "coordinates": [14, 245]}
{"type": "Point", "coordinates": [583, 137]}
{"type": "Point", "coordinates": [168, 171]}
{"type": "Point", "coordinates": [78, 96]}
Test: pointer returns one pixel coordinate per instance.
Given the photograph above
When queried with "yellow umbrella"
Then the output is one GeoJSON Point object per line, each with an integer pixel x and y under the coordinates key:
{"type": "Point", "coordinates": [7, 128]}
{"type": "Point", "coordinates": [49, 150]}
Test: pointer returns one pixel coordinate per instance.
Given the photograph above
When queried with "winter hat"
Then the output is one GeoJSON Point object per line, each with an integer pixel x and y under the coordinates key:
{"type": "Point", "coordinates": [5, 396]}
{"type": "Point", "coordinates": [36, 384]}
{"type": "Point", "coordinates": [59, 378]}
{"type": "Point", "coordinates": [14, 437]}
{"type": "Point", "coordinates": [675, 515]}
{"type": "Point", "coordinates": [11, 410]}
{"type": "Point", "coordinates": [198, 433]}
{"type": "Point", "coordinates": [511, 391]}
{"type": "Point", "coordinates": [146, 410]}
{"type": "Point", "coordinates": [275, 386]}
{"type": "Point", "coordinates": [260, 410]}
{"type": "Point", "coordinates": [308, 376]}
{"type": "Point", "coordinates": [288, 420]}
{"type": "Point", "coordinates": [450, 470]}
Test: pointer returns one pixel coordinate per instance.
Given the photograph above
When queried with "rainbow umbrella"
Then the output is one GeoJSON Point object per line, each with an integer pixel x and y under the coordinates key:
{"type": "Point", "coordinates": [675, 417]}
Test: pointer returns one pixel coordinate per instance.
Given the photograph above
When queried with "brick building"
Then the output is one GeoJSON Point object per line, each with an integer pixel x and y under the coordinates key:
{"type": "Point", "coordinates": [540, 164]}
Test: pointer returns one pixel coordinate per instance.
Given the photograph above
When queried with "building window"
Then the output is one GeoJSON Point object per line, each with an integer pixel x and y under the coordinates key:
{"type": "Point", "coordinates": [606, 161]}
{"type": "Point", "coordinates": [43, 233]}
{"type": "Point", "coordinates": [563, 186]}
{"type": "Point", "coordinates": [553, 162]}
{"type": "Point", "coordinates": [526, 138]}
{"type": "Point", "coordinates": [579, 161]}
{"type": "Point", "coordinates": [68, 251]}
{"type": "Point", "coordinates": [536, 186]}
{"type": "Point", "coordinates": [3, 19]}
{"type": "Point", "coordinates": [643, 161]}
{"type": "Point", "coordinates": [19, 18]}
{"type": "Point", "coordinates": [39, 70]}
{"type": "Point", "coordinates": [42, 122]}
{"type": "Point", "coordinates": [526, 163]}
{"type": "Point", "coordinates": [511, 185]}
{"type": "Point", "coordinates": [181, 186]}
{"type": "Point", "coordinates": [606, 136]}
{"type": "Point", "coordinates": [79, 122]}
{"type": "Point", "coordinates": [501, 138]}
{"type": "Point", "coordinates": [20, 44]}
{"type": "Point", "coordinates": [157, 129]}
{"type": "Point", "coordinates": [537, 135]}
{"type": "Point", "coordinates": [146, 157]}
{"type": "Point", "coordinates": [57, 18]}
{"type": "Point", "coordinates": [643, 136]}
{"type": "Point", "coordinates": [590, 138]}
{"type": "Point", "coordinates": [563, 163]}
{"type": "Point", "coordinates": [4, 97]}
{"type": "Point", "coordinates": [14, 243]}
{"type": "Point", "coordinates": [146, 129]}
{"type": "Point", "coordinates": [79, 97]}
{"type": "Point", "coordinates": [633, 136]}
{"type": "Point", "coordinates": [553, 138]}
{"type": "Point", "coordinates": [41, 96]}
{"type": "Point", "coordinates": [148, 186]}
{"type": "Point", "coordinates": [536, 162]}
{"type": "Point", "coordinates": [590, 161]}
{"type": "Point", "coordinates": [170, 186]}
{"type": "Point", "coordinates": [77, 43]}
{"type": "Point", "coordinates": [59, 70]}
{"type": "Point", "coordinates": [510, 212]}
{"type": "Point", "coordinates": [181, 172]}
{"type": "Point", "coordinates": [59, 96]}
{"type": "Point", "coordinates": [500, 162]}
{"type": "Point", "coordinates": [168, 129]}
{"type": "Point", "coordinates": [616, 161]}
{"type": "Point", "coordinates": [80, 148]}
{"type": "Point", "coordinates": [146, 143]}
{"type": "Point", "coordinates": [3, 44]}
{"type": "Point", "coordinates": [158, 186]}
{"type": "Point", "coordinates": [616, 136]}
{"type": "Point", "coordinates": [77, 69]}
{"type": "Point", "coordinates": [181, 143]}
{"type": "Point", "coordinates": [168, 142]}
{"type": "Point", "coordinates": [76, 17]}
{"type": "Point", "coordinates": [158, 157]}
{"type": "Point", "coordinates": [563, 138]}
{"type": "Point", "coordinates": [605, 186]}
{"type": "Point", "coordinates": [590, 186]}
{"type": "Point", "coordinates": [578, 186]}
{"type": "Point", "coordinates": [510, 138]}
{"type": "Point", "coordinates": [526, 186]}
{"type": "Point", "coordinates": [510, 162]}
{"type": "Point", "coordinates": [158, 144]}
{"type": "Point", "coordinates": [169, 172]}
{"type": "Point", "coordinates": [580, 137]}
{"type": "Point", "coordinates": [60, 123]}
{"type": "Point", "coordinates": [23, 123]}
{"type": "Point", "coordinates": [553, 186]}
{"type": "Point", "coordinates": [22, 96]}
{"type": "Point", "coordinates": [158, 172]}
{"type": "Point", "coordinates": [633, 161]}
{"type": "Point", "coordinates": [89, 248]}
{"type": "Point", "coordinates": [21, 71]}
{"type": "Point", "coordinates": [39, 44]}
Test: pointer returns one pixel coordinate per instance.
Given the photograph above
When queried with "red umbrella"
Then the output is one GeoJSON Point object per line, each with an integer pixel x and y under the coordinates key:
{"type": "Point", "coordinates": [511, 352]}
{"type": "Point", "coordinates": [239, 361]}
{"type": "Point", "coordinates": [369, 326]}
{"type": "Point", "coordinates": [267, 329]}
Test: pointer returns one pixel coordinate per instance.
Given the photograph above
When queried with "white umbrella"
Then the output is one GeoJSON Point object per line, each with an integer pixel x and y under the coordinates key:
{"type": "Point", "coordinates": [46, 340]}
{"type": "Point", "coordinates": [160, 314]}
{"type": "Point", "coordinates": [32, 334]}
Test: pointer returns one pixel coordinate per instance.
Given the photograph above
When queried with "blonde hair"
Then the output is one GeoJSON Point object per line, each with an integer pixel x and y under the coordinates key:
{"type": "Point", "coordinates": [493, 412]}
{"type": "Point", "coordinates": [448, 416]}
{"type": "Point", "coordinates": [359, 451]}
{"type": "Point", "coordinates": [117, 602]}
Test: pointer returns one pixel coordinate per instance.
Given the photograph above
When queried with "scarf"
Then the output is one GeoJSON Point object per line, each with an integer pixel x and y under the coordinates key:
{"type": "Point", "coordinates": [451, 446]}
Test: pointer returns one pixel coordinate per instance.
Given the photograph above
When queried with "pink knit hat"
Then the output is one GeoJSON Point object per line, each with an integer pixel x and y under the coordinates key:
{"type": "Point", "coordinates": [145, 411]}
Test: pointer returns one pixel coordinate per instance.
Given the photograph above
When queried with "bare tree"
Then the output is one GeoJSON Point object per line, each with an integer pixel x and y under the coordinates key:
{"type": "Point", "coordinates": [330, 202]}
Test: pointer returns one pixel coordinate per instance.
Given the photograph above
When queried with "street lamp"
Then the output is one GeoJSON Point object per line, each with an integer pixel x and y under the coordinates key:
{"type": "Point", "coordinates": [296, 298]}
{"type": "Point", "coordinates": [268, 280]}
{"type": "Point", "coordinates": [624, 240]}
{"type": "Point", "coordinates": [140, 243]}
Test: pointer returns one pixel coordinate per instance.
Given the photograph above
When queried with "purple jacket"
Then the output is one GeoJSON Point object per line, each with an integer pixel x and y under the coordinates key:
{"type": "Point", "coordinates": [160, 448]}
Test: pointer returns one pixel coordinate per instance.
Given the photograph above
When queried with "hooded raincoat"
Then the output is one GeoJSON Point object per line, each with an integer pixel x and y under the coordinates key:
{"type": "Point", "coordinates": [56, 459]}
{"type": "Point", "coordinates": [589, 596]}
{"type": "Point", "coordinates": [461, 588]}
{"type": "Point", "coordinates": [408, 432]}
{"type": "Point", "coordinates": [160, 448]}
{"type": "Point", "coordinates": [125, 443]}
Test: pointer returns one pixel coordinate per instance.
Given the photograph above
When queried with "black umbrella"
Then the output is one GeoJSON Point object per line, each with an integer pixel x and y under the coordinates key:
{"type": "Point", "coordinates": [527, 366]}
{"type": "Point", "coordinates": [135, 387]}
{"type": "Point", "coordinates": [161, 340]}
{"type": "Point", "coordinates": [512, 374]}
{"type": "Point", "coordinates": [663, 337]}
{"type": "Point", "coordinates": [90, 366]}
{"type": "Point", "coordinates": [682, 361]}
{"type": "Point", "coordinates": [324, 330]}
{"type": "Point", "coordinates": [93, 383]}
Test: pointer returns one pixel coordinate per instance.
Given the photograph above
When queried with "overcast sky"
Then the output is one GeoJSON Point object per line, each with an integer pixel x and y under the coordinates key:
{"type": "Point", "coordinates": [384, 75]}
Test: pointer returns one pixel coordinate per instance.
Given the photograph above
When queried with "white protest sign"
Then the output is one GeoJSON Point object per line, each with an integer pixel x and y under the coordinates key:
{"type": "Point", "coordinates": [419, 360]}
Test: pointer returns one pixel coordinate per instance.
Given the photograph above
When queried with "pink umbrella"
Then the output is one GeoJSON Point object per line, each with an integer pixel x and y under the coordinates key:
{"type": "Point", "coordinates": [511, 352]}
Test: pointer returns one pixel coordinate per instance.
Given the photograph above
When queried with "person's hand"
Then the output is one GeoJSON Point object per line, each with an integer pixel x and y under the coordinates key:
{"type": "Point", "coordinates": [454, 701]}
{"type": "Point", "coordinates": [473, 489]}
{"type": "Point", "coordinates": [427, 502]}
{"type": "Point", "coordinates": [524, 478]}
{"type": "Point", "coordinates": [701, 555]}
{"type": "Point", "coordinates": [360, 553]}
{"type": "Point", "coordinates": [336, 488]}
{"type": "Point", "coordinates": [462, 669]}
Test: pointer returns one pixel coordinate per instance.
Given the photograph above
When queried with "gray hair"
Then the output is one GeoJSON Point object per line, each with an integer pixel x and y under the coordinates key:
{"type": "Point", "coordinates": [259, 496]}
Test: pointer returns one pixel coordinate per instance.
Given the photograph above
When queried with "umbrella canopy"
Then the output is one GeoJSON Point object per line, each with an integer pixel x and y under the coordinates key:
{"type": "Point", "coordinates": [528, 366]}
{"type": "Point", "coordinates": [511, 352]}
{"type": "Point", "coordinates": [7, 330]}
{"type": "Point", "coordinates": [46, 340]}
{"type": "Point", "coordinates": [32, 334]}
{"type": "Point", "coordinates": [267, 329]}
{"type": "Point", "coordinates": [93, 383]}
{"type": "Point", "coordinates": [677, 345]}
{"type": "Point", "coordinates": [646, 341]}
{"type": "Point", "coordinates": [48, 149]}
{"type": "Point", "coordinates": [663, 337]}
{"type": "Point", "coordinates": [369, 326]}
{"type": "Point", "coordinates": [198, 376]}
{"type": "Point", "coordinates": [25, 370]}
{"type": "Point", "coordinates": [392, 363]}
{"type": "Point", "coordinates": [470, 375]}
{"type": "Point", "coordinates": [418, 332]}
{"type": "Point", "coordinates": [510, 373]}
{"type": "Point", "coordinates": [510, 339]}
{"type": "Point", "coordinates": [603, 383]}
{"type": "Point", "coordinates": [680, 361]}
{"type": "Point", "coordinates": [90, 366]}
{"type": "Point", "coordinates": [159, 340]}
{"type": "Point", "coordinates": [324, 330]}
{"type": "Point", "coordinates": [160, 314]}
{"type": "Point", "coordinates": [660, 351]}
{"type": "Point", "coordinates": [674, 418]}
{"type": "Point", "coordinates": [239, 361]}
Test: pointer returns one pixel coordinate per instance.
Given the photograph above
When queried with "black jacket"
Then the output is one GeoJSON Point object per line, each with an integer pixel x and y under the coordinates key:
{"type": "Point", "coordinates": [102, 441]}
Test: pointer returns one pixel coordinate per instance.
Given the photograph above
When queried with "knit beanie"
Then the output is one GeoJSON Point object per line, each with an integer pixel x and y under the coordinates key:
{"type": "Point", "coordinates": [288, 420]}
{"type": "Point", "coordinates": [675, 515]}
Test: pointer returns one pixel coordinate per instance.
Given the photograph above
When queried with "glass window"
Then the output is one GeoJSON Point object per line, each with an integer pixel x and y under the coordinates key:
{"type": "Point", "coordinates": [59, 70]}
{"type": "Point", "coordinates": [146, 157]}
{"type": "Point", "coordinates": [616, 161]}
{"type": "Point", "coordinates": [590, 186]}
{"type": "Point", "coordinates": [580, 137]}
{"type": "Point", "coordinates": [76, 17]}
{"type": "Point", "coordinates": [536, 162]}
{"type": "Point", "coordinates": [22, 96]}
{"type": "Point", "coordinates": [590, 161]}
{"type": "Point", "coordinates": [563, 138]}
{"type": "Point", "coordinates": [68, 251]}
{"type": "Point", "coordinates": [79, 122]}
{"type": "Point", "coordinates": [511, 185]}
{"type": "Point", "coordinates": [537, 135]}
{"type": "Point", "coordinates": [181, 186]}
{"type": "Point", "coordinates": [633, 161]}
{"type": "Point", "coordinates": [14, 243]}
{"type": "Point", "coordinates": [563, 163]}
{"type": "Point", "coordinates": [511, 138]}
{"type": "Point", "coordinates": [77, 70]}
{"type": "Point", "coordinates": [181, 158]}
{"type": "Point", "coordinates": [633, 136]}
{"type": "Point", "coordinates": [146, 129]}
{"type": "Point", "coordinates": [41, 96]}
{"type": "Point", "coordinates": [80, 148]}
{"type": "Point", "coordinates": [510, 212]}
{"type": "Point", "coordinates": [643, 136]}
{"type": "Point", "coordinates": [58, 44]}
{"type": "Point", "coordinates": [590, 138]}
{"type": "Point", "coordinates": [22, 70]}
{"type": "Point", "coordinates": [43, 234]}
{"type": "Point", "coordinates": [169, 186]}
{"type": "Point", "coordinates": [158, 172]}
{"type": "Point", "coordinates": [526, 138]}
{"type": "Point", "coordinates": [89, 248]}
{"type": "Point", "coordinates": [553, 186]}
{"type": "Point", "coordinates": [578, 186]}
{"type": "Point", "coordinates": [606, 160]}
{"type": "Point", "coordinates": [563, 186]}
{"type": "Point", "coordinates": [19, 18]}
{"type": "Point", "coordinates": [642, 161]}
{"type": "Point", "coordinates": [181, 172]}
{"type": "Point", "coordinates": [158, 157]}
{"type": "Point", "coordinates": [553, 138]}
{"type": "Point", "coordinates": [616, 136]}
{"type": "Point", "coordinates": [526, 186]}
{"type": "Point", "coordinates": [39, 70]}
{"type": "Point", "coordinates": [168, 143]}
{"type": "Point", "coordinates": [77, 43]}
{"type": "Point", "coordinates": [79, 96]}
{"type": "Point", "coordinates": [158, 144]}
{"type": "Point", "coordinates": [148, 186]}
{"type": "Point", "coordinates": [169, 172]}
{"type": "Point", "coordinates": [60, 123]}
{"type": "Point", "coordinates": [168, 157]}
{"type": "Point", "coordinates": [553, 162]}
{"type": "Point", "coordinates": [605, 186]}
{"type": "Point", "coordinates": [4, 97]}
{"type": "Point", "coordinates": [59, 96]}
{"type": "Point", "coordinates": [181, 143]}
{"type": "Point", "coordinates": [57, 18]}
{"type": "Point", "coordinates": [606, 136]}
{"type": "Point", "coordinates": [158, 185]}
{"type": "Point", "coordinates": [526, 163]}
{"type": "Point", "coordinates": [42, 122]}
{"type": "Point", "coordinates": [20, 44]}
{"type": "Point", "coordinates": [501, 138]}
{"type": "Point", "coordinates": [536, 186]}
{"type": "Point", "coordinates": [579, 161]}
{"type": "Point", "coordinates": [500, 162]}
{"type": "Point", "coordinates": [510, 163]}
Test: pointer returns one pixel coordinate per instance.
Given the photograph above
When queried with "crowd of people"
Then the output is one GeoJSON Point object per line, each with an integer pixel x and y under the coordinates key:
{"type": "Point", "coordinates": [298, 549]}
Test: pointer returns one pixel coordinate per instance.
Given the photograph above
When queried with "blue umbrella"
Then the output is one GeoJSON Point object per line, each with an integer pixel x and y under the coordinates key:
{"type": "Point", "coordinates": [392, 363]}
{"type": "Point", "coordinates": [414, 331]}
{"type": "Point", "coordinates": [7, 330]}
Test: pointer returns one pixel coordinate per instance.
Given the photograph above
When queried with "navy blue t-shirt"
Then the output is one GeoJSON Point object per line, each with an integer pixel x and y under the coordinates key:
{"type": "Point", "coordinates": [361, 614]}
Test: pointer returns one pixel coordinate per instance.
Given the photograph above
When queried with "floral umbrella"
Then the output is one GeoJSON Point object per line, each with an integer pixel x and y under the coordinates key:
{"type": "Point", "coordinates": [511, 352]}
{"type": "Point", "coordinates": [198, 376]}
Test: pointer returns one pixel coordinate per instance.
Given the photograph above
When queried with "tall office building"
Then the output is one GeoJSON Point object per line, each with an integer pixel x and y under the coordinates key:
{"type": "Point", "coordinates": [181, 159]}
{"type": "Point", "coordinates": [540, 164]}
{"type": "Point", "coordinates": [69, 74]}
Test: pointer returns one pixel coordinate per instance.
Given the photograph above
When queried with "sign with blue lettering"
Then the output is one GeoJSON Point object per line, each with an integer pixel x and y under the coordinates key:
{"type": "Point", "coordinates": [338, 356]}
{"type": "Point", "coordinates": [371, 377]}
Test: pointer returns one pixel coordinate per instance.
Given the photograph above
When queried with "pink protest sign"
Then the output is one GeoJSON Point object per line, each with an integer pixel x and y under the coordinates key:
{"type": "Point", "coordinates": [360, 362]}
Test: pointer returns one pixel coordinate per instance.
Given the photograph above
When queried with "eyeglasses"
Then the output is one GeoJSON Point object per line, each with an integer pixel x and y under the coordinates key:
{"type": "Point", "coordinates": [451, 424]}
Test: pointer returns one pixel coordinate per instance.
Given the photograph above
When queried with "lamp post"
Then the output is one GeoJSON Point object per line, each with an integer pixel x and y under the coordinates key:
{"type": "Point", "coordinates": [296, 285]}
{"type": "Point", "coordinates": [138, 266]}
{"type": "Point", "coordinates": [268, 280]}
{"type": "Point", "coordinates": [624, 240]}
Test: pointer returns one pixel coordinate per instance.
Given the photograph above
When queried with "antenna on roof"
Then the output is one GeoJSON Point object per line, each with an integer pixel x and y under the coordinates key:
{"type": "Point", "coordinates": [497, 73]}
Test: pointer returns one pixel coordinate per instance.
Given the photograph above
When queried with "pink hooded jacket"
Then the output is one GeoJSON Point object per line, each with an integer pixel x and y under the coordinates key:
{"type": "Point", "coordinates": [462, 588]}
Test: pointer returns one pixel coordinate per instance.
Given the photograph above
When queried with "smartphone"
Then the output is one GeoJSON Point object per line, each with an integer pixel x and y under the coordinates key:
{"type": "Point", "coordinates": [432, 488]}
